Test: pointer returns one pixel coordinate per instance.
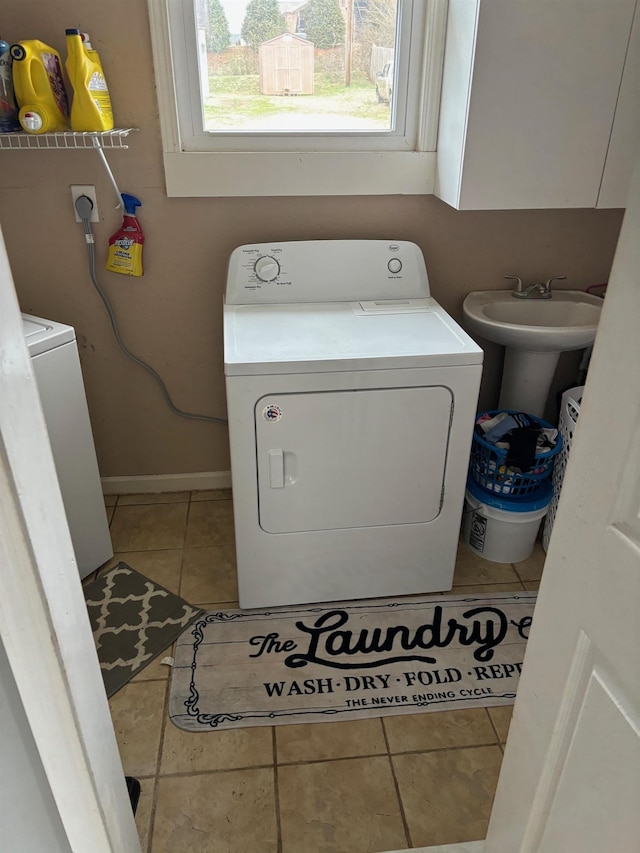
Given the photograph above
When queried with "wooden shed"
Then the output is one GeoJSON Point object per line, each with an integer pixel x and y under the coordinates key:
{"type": "Point", "coordinates": [286, 65]}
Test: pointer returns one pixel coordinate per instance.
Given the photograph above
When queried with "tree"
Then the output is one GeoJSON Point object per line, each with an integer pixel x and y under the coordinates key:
{"type": "Point", "coordinates": [378, 22]}
{"type": "Point", "coordinates": [219, 35]}
{"type": "Point", "coordinates": [262, 21]}
{"type": "Point", "coordinates": [376, 27]}
{"type": "Point", "coordinates": [324, 24]}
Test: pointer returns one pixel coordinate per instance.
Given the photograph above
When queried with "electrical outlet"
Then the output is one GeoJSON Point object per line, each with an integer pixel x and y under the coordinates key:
{"type": "Point", "coordinates": [89, 190]}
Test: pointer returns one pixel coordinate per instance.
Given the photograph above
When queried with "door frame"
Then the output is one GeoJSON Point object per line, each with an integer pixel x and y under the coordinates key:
{"type": "Point", "coordinates": [44, 623]}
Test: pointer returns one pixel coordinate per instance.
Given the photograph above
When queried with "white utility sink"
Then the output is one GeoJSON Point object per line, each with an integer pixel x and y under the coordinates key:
{"type": "Point", "coordinates": [566, 321]}
{"type": "Point", "coordinates": [535, 331]}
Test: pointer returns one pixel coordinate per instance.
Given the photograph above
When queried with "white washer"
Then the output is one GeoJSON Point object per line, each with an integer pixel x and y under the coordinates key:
{"type": "Point", "coordinates": [351, 397]}
{"type": "Point", "coordinates": [56, 365]}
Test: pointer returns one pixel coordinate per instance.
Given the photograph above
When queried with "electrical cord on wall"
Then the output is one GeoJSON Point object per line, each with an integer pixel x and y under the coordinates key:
{"type": "Point", "coordinates": [84, 206]}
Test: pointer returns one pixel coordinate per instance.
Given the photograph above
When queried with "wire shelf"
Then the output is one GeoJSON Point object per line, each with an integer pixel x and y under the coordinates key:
{"type": "Point", "coordinates": [66, 140]}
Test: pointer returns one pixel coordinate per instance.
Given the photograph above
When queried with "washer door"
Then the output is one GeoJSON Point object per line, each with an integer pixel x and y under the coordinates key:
{"type": "Point", "coordinates": [342, 459]}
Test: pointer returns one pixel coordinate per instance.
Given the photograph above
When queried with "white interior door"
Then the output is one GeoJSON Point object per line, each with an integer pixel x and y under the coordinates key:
{"type": "Point", "coordinates": [570, 780]}
{"type": "Point", "coordinates": [66, 767]}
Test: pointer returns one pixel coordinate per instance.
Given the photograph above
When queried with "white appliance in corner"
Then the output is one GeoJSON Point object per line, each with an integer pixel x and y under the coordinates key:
{"type": "Point", "coordinates": [352, 398]}
{"type": "Point", "coordinates": [56, 365]}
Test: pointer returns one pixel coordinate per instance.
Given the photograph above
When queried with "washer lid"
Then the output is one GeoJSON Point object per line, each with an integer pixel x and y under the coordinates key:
{"type": "Point", "coordinates": [43, 335]}
{"type": "Point", "coordinates": [341, 336]}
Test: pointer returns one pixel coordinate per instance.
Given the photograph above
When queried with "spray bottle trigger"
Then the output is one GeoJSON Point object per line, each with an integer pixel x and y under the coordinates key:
{"type": "Point", "coordinates": [130, 202]}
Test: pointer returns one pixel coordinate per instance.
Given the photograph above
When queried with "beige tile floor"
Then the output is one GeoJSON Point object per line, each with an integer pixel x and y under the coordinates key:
{"type": "Point", "coordinates": [350, 787]}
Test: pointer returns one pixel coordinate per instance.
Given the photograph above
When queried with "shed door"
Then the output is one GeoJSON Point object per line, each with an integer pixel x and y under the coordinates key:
{"type": "Point", "coordinates": [288, 69]}
{"type": "Point", "coordinates": [344, 459]}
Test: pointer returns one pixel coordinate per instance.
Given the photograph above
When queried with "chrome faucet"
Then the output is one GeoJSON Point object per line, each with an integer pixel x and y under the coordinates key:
{"type": "Point", "coordinates": [536, 290]}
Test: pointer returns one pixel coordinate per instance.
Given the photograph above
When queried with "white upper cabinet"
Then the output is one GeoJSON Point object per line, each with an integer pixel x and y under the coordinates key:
{"type": "Point", "coordinates": [624, 145]}
{"type": "Point", "coordinates": [540, 104]}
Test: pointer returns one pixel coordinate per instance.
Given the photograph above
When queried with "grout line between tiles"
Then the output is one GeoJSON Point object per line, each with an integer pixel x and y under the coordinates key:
{"type": "Point", "coordinates": [407, 833]}
{"type": "Point", "coordinates": [378, 754]}
{"type": "Point", "coordinates": [180, 773]}
{"type": "Point", "coordinates": [519, 578]}
{"type": "Point", "coordinates": [186, 531]}
{"type": "Point", "coordinates": [152, 818]}
{"type": "Point", "coordinates": [276, 789]}
{"type": "Point", "coordinates": [147, 680]}
{"type": "Point", "coordinates": [144, 550]}
{"type": "Point", "coordinates": [189, 773]}
{"type": "Point", "coordinates": [135, 551]}
{"type": "Point", "coordinates": [514, 566]}
{"type": "Point", "coordinates": [498, 741]}
{"type": "Point", "coordinates": [182, 561]}
{"type": "Point", "coordinates": [202, 547]}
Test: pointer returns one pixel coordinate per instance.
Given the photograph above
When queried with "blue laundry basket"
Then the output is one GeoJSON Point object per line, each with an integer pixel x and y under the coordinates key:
{"type": "Point", "coordinates": [488, 465]}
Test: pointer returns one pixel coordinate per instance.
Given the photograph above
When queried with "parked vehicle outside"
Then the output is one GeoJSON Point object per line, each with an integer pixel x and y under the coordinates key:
{"type": "Point", "coordinates": [384, 84]}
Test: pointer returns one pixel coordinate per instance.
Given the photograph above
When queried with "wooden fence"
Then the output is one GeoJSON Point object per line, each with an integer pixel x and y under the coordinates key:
{"type": "Point", "coordinates": [379, 57]}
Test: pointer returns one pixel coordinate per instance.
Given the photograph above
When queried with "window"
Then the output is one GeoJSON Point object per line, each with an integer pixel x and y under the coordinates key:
{"type": "Point", "coordinates": [251, 107]}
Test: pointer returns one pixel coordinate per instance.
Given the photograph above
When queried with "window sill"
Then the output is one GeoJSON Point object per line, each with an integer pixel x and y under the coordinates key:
{"type": "Point", "coordinates": [226, 174]}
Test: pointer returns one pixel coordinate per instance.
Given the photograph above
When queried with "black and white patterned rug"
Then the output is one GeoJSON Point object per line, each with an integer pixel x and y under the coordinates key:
{"type": "Point", "coordinates": [133, 620]}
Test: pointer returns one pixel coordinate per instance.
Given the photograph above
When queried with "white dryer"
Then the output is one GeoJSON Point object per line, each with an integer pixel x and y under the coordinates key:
{"type": "Point", "coordinates": [351, 399]}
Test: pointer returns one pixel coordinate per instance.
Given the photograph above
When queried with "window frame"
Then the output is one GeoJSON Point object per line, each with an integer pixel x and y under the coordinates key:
{"type": "Point", "coordinates": [285, 164]}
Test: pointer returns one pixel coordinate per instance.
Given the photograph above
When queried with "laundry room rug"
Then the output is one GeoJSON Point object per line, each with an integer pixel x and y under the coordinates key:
{"type": "Point", "coordinates": [133, 620]}
{"type": "Point", "coordinates": [316, 663]}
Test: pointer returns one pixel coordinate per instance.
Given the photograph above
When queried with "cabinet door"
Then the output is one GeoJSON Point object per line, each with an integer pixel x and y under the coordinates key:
{"type": "Point", "coordinates": [625, 134]}
{"type": "Point", "coordinates": [527, 124]}
{"type": "Point", "coordinates": [343, 459]}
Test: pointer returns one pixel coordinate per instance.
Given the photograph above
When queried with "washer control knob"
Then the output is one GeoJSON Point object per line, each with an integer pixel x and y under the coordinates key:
{"type": "Point", "coordinates": [266, 268]}
{"type": "Point", "coordinates": [394, 265]}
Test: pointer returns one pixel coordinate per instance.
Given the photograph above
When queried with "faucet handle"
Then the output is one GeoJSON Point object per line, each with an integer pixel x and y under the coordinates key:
{"type": "Point", "coordinates": [547, 283]}
{"type": "Point", "coordinates": [517, 279]}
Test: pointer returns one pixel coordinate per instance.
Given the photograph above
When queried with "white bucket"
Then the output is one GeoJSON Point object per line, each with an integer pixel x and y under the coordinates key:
{"type": "Point", "coordinates": [499, 534]}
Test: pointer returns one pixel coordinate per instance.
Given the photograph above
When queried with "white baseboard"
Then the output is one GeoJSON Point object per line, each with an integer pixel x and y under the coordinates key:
{"type": "Point", "coordinates": [154, 483]}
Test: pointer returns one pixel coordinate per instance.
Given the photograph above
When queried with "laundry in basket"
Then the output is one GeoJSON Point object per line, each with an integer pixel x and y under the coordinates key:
{"type": "Point", "coordinates": [496, 464]}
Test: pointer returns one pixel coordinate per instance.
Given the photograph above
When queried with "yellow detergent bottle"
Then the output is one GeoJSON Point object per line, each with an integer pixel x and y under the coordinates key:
{"type": "Point", "coordinates": [91, 105]}
{"type": "Point", "coordinates": [39, 87]}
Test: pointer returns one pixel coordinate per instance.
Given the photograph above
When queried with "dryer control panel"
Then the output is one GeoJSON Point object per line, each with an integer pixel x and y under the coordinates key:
{"type": "Point", "coordinates": [326, 271]}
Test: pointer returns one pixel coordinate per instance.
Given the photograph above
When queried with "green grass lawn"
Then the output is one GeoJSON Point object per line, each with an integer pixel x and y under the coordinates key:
{"type": "Point", "coordinates": [236, 102]}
